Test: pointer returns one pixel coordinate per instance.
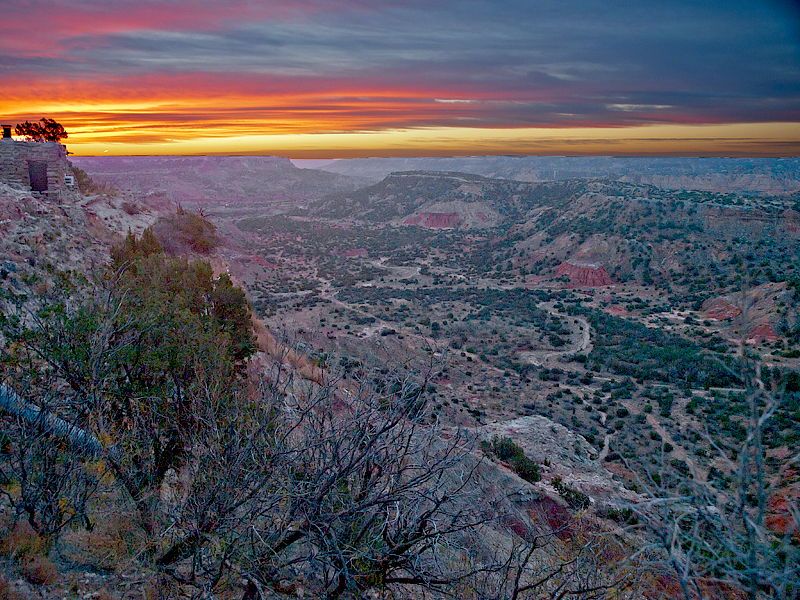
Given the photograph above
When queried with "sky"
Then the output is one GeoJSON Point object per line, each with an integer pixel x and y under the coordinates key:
{"type": "Point", "coordinates": [348, 78]}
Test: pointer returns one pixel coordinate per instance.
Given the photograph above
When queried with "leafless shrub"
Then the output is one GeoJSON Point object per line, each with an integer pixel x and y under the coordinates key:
{"type": "Point", "coordinates": [718, 542]}
{"type": "Point", "coordinates": [131, 208]}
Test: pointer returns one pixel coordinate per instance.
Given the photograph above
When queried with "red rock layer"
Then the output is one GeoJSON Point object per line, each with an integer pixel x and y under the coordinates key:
{"type": "Point", "coordinates": [780, 519]}
{"type": "Point", "coordinates": [434, 220]}
{"type": "Point", "coordinates": [720, 309]}
{"type": "Point", "coordinates": [762, 332]}
{"type": "Point", "coordinates": [584, 276]}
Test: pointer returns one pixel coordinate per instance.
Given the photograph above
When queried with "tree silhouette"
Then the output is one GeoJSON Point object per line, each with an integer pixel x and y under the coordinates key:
{"type": "Point", "coordinates": [53, 131]}
{"type": "Point", "coordinates": [32, 132]}
{"type": "Point", "coordinates": [49, 131]}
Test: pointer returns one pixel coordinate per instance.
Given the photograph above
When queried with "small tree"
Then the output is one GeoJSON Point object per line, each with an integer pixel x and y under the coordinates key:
{"type": "Point", "coordinates": [49, 131]}
{"type": "Point", "coordinates": [32, 132]}
{"type": "Point", "coordinates": [53, 131]}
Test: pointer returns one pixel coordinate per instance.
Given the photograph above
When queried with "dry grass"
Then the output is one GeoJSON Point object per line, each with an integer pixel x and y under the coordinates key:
{"type": "Point", "coordinates": [20, 542]}
{"type": "Point", "coordinates": [115, 541]}
{"type": "Point", "coordinates": [40, 570]}
{"type": "Point", "coordinates": [158, 588]}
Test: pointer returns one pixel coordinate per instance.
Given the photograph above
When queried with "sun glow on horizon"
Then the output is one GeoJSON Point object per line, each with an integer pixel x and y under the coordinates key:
{"type": "Point", "coordinates": [749, 139]}
{"type": "Point", "coordinates": [360, 122]}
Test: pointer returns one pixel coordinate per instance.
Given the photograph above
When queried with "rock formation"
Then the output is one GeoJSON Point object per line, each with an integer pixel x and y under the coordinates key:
{"type": "Point", "coordinates": [584, 275]}
{"type": "Point", "coordinates": [434, 220]}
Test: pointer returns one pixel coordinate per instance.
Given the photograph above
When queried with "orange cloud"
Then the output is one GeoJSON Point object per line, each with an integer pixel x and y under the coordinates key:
{"type": "Point", "coordinates": [204, 114]}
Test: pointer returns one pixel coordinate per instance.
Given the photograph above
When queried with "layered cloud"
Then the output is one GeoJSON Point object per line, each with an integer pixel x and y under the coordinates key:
{"type": "Point", "coordinates": [165, 71]}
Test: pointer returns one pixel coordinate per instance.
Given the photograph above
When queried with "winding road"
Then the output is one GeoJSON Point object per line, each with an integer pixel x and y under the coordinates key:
{"type": "Point", "coordinates": [580, 330]}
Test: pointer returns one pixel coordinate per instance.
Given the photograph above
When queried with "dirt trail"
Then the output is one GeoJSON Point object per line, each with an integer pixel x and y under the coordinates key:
{"type": "Point", "coordinates": [606, 445]}
{"type": "Point", "coordinates": [580, 329]}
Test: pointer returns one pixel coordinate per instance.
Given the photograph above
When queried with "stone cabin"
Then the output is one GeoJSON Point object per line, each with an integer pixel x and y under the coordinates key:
{"type": "Point", "coordinates": [37, 166]}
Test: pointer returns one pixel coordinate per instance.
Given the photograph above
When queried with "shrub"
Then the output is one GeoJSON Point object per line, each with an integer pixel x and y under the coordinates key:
{"type": "Point", "coordinates": [86, 185]}
{"type": "Point", "coordinates": [131, 208]}
{"type": "Point", "coordinates": [186, 231]}
{"type": "Point", "coordinates": [506, 450]}
{"type": "Point", "coordinates": [109, 545]}
{"type": "Point", "coordinates": [526, 468]}
{"type": "Point", "coordinates": [680, 466]}
{"type": "Point", "coordinates": [577, 500]}
{"type": "Point", "coordinates": [625, 516]}
{"type": "Point", "coordinates": [40, 570]}
{"type": "Point", "coordinates": [27, 548]}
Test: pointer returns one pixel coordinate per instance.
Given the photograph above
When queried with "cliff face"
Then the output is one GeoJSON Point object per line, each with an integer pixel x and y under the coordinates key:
{"type": "Point", "coordinates": [730, 221]}
{"type": "Point", "coordinates": [720, 309]}
{"type": "Point", "coordinates": [762, 332]}
{"type": "Point", "coordinates": [434, 220]}
{"type": "Point", "coordinates": [585, 275]}
{"type": "Point", "coordinates": [780, 503]}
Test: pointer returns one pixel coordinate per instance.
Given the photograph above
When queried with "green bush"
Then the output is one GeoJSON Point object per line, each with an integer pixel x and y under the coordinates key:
{"type": "Point", "coordinates": [526, 468]}
{"type": "Point", "coordinates": [506, 450]}
{"type": "Point", "coordinates": [680, 466]}
{"type": "Point", "coordinates": [577, 500]}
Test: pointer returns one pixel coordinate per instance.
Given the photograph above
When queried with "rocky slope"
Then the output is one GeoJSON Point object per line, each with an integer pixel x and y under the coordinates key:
{"type": "Point", "coordinates": [37, 232]}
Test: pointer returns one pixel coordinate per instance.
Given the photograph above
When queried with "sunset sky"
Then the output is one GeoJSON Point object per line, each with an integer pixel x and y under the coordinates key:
{"type": "Point", "coordinates": [344, 78]}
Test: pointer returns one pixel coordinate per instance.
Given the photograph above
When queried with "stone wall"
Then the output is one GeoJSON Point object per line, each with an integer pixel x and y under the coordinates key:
{"type": "Point", "coordinates": [15, 158]}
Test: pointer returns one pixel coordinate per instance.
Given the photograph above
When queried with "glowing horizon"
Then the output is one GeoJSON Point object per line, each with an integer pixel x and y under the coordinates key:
{"type": "Point", "coordinates": [733, 140]}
